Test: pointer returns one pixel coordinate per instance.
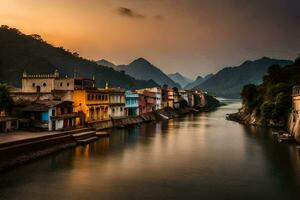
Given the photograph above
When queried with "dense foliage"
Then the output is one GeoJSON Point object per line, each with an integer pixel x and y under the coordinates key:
{"type": "Point", "coordinates": [272, 100]}
{"type": "Point", "coordinates": [6, 102]}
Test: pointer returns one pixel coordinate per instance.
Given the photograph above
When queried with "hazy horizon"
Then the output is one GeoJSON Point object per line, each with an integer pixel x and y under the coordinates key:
{"type": "Point", "coordinates": [191, 37]}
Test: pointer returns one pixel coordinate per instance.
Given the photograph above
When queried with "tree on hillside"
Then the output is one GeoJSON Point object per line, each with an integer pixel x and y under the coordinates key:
{"type": "Point", "coordinates": [297, 61]}
{"type": "Point", "coordinates": [249, 96]}
{"type": "Point", "coordinates": [6, 102]}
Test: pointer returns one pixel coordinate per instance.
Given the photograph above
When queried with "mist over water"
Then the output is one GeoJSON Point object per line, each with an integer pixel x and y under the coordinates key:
{"type": "Point", "coordinates": [193, 157]}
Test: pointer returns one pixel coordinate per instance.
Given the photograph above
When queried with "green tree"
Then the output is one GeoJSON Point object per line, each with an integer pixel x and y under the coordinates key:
{"type": "Point", "coordinates": [267, 110]}
{"type": "Point", "coordinates": [6, 102]}
{"type": "Point", "coordinates": [282, 106]}
{"type": "Point", "coordinates": [249, 96]}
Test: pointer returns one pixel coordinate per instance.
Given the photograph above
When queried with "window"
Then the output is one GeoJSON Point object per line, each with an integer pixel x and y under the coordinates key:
{"type": "Point", "coordinates": [33, 84]}
{"type": "Point", "coordinates": [44, 84]}
{"type": "Point", "coordinates": [121, 109]}
{"type": "Point", "coordinates": [113, 110]}
{"type": "Point", "coordinates": [61, 84]}
{"type": "Point", "coordinates": [68, 84]}
{"type": "Point", "coordinates": [92, 98]}
{"type": "Point", "coordinates": [88, 97]}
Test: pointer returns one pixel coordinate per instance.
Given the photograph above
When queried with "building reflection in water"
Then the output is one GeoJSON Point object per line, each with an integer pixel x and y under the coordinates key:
{"type": "Point", "coordinates": [98, 147]}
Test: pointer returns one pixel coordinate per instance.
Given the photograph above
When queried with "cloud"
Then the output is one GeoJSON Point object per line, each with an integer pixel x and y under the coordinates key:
{"type": "Point", "coordinates": [127, 12]}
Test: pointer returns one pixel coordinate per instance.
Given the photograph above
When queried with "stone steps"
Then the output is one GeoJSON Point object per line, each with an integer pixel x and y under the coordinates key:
{"type": "Point", "coordinates": [87, 140]}
{"type": "Point", "coordinates": [85, 137]}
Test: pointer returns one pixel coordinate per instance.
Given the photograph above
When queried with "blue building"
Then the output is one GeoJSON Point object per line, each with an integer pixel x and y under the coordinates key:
{"type": "Point", "coordinates": [132, 103]}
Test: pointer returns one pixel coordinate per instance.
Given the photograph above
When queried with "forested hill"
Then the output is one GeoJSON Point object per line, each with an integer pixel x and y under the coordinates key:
{"type": "Point", "coordinates": [30, 53]}
{"type": "Point", "coordinates": [271, 101]}
{"type": "Point", "coordinates": [229, 81]}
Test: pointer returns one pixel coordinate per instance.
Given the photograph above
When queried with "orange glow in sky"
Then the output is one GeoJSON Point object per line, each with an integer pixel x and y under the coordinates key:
{"type": "Point", "coordinates": [194, 37]}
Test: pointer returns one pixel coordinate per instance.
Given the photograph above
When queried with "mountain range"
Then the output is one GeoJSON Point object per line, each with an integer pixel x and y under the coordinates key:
{"type": "Point", "coordinates": [198, 81]}
{"type": "Point", "coordinates": [229, 81]}
{"type": "Point", "coordinates": [142, 69]}
{"type": "Point", "coordinates": [179, 78]}
{"type": "Point", "coordinates": [30, 53]}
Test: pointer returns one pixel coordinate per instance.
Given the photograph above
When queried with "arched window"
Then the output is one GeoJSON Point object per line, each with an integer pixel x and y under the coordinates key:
{"type": "Point", "coordinates": [33, 84]}
{"type": "Point", "coordinates": [113, 110]}
{"type": "Point", "coordinates": [61, 84]}
{"type": "Point", "coordinates": [38, 88]}
{"type": "Point", "coordinates": [68, 84]}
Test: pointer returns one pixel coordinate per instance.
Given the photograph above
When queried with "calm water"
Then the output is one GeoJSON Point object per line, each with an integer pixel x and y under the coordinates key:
{"type": "Point", "coordinates": [198, 156]}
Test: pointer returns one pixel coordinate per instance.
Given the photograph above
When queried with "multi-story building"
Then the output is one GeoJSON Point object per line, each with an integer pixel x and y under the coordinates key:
{"type": "Point", "coordinates": [150, 98]}
{"type": "Point", "coordinates": [116, 97]}
{"type": "Point", "coordinates": [132, 103]}
{"type": "Point", "coordinates": [47, 83]}
{"type": "Point", "coordinates": [152, 95]}
{"type": "Point", "coordinates": [294, 122]}
{"type": "Point", "coordinates": [142, 104]}
{"type": "Point", "coordinates": [52, 115]}
{"type": "Point", "coordinates": [164, 96]}
{"type": "Point", "coordinates": [296, 100]}
{"type": "Point", "coordinates": [191, 101]}
{"type": "Point", "coordinates": [93, 102]}
{"type": "Point", "coordinates": [170, 98]}
{"type": "Point", "coordinates": [158, 102]}
{"type": "Point", "coordinates": [184, 95]}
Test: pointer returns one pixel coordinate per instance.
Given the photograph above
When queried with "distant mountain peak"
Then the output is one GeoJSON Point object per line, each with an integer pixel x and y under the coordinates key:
{"type": "Point", "coordinates": [229, 81]}
{"type": "Point", "coordinates": [199, 78]}
{"type": "Point", "coordinates": [106, 63]}
{"type": "Point", "coordinates": [180, 79]}
{"type": "Point", "coordinates": [265, 58]}
{"type": "Point", "coordinates": [141, 61]}
{"type": "Point", "coordinates": [142, 69]}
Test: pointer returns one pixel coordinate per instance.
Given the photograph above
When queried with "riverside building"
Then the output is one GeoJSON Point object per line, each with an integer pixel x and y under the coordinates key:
{"type": "Point", "coordinates": [132, 103]}
{"type": "Point", "coordinates": [294, 121]}
{"type": "Point", "coordinates": [116, 97]}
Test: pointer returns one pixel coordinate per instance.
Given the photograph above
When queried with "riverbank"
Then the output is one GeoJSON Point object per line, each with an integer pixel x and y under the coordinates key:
{"type": "Point", "coordinates": [21, 149]}
{"type": "Point", "coordinates": [291, 128]}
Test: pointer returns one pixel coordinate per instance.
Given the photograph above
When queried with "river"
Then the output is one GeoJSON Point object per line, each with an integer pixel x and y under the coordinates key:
{"type": "Point", "coordinates": [197, 156]}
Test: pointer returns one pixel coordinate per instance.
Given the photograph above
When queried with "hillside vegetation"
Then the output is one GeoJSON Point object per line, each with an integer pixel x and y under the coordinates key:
{"type": "Point", "coordinates": [271, 101]}
{"type": "Point", "coordinates": [229, 81]}
{"type": "Point", "coordinates": [30, 53]}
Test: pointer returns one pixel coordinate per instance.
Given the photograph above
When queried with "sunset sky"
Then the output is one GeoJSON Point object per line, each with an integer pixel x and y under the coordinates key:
{"type": "Point", "coordinates": [194, 37]}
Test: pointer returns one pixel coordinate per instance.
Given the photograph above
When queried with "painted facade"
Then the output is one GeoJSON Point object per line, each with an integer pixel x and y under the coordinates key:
{"type": "Point", "coordinates": [94, 103]}
{"type": "Point", "coordinates": [142, 104]}
{"type": "Point", "coordinates": [116, 98]}
{"type": "Point", "coordinates": [132, 103]}
{"type": "Point", "coordinates": [170, 98]}
{"type": "Point", "coordinates": [52, 115]}
{"type": "Point", "coordinates": [153, 96]}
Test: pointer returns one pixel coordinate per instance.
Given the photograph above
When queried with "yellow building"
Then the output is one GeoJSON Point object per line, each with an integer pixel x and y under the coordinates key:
{"type": "Point", "coordinates": [94, 103]}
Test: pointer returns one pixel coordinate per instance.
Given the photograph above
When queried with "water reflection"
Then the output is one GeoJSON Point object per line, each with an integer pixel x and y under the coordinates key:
{"type": "Point", "coordinates": [198, 156]}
